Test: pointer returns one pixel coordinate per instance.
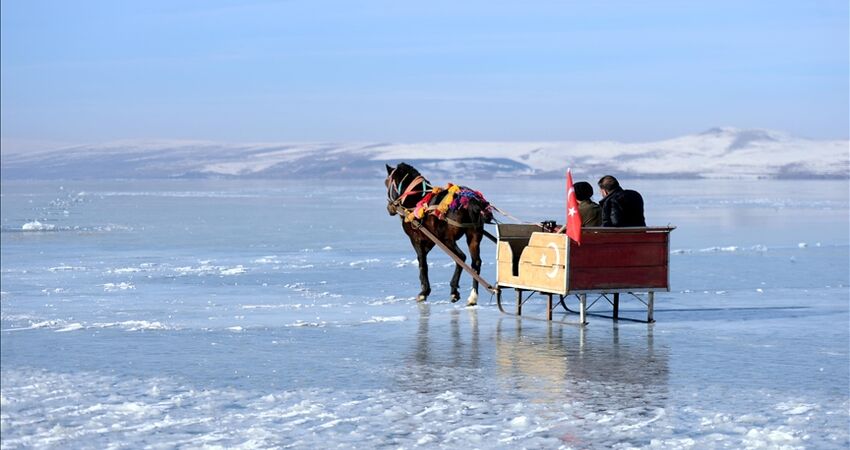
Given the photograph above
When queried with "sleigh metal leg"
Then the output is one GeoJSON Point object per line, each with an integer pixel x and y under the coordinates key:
{"type": "Point", "coordinates": [518, 302]}
{"type": "Point", "coordinates": [650, 304]}
{"type": "Point", "coordinates": [549, 307]}
{"type": "Point", "coordinates": [582, 309]}
{"type": "Point", "coordinates": [616, 305]}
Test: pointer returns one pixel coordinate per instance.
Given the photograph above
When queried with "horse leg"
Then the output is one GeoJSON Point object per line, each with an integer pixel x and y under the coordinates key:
{"type": "Point", "coordinates": [455, 283]}
{"type": "Point", "coordinates": [473, 240]}
{"type": "Point", "coordinates": [422, 257]}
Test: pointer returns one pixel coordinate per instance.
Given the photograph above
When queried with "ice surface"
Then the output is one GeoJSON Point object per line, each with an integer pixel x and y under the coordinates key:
{"type": "Point", "coordinates": [256, 315]}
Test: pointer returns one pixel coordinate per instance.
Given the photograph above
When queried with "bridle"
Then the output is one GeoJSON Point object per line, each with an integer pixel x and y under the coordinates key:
{"type": "Point", "coordinates": [397, 193]}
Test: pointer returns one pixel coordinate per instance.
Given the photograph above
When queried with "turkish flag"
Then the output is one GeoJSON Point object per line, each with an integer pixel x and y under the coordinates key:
{"type": "Point", "coordinates": [573, 217]}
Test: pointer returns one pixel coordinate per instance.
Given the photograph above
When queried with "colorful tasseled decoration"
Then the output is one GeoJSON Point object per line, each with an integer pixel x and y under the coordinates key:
{"type": "Point", "coordinates": [457, 197]}
{"type": "Point", "coordinates": [422, 205]}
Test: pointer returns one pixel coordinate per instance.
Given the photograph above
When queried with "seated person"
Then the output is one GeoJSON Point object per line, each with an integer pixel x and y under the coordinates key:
{"type": "Point", "coordinates": [590, 212]}
{"type": "Point", "coordinates": [620, 208]}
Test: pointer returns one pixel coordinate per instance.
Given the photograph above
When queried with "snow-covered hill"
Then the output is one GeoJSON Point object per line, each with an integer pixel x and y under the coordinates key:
{"type": "Point", "coordinates": [718, 152]}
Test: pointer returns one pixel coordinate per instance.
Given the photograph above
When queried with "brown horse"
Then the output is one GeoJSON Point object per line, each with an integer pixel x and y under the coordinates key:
{"type": "Point", "coordinates": [405, 188]}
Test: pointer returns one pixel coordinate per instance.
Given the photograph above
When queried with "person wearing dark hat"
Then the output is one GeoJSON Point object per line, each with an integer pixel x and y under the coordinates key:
{"type": "Point", "coordinates": [590, 212]}
{"type": "Point", "coordinates": [620, 207]}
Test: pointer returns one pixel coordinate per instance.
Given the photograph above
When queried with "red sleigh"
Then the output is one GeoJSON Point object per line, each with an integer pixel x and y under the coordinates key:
{"type": "Point", "coordinates": [609, 262]}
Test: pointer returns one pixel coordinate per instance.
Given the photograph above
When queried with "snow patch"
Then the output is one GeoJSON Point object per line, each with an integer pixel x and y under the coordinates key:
{"type": "Point", "coordinates": [233, 271]}
{"type": "Point", "coordinates": [731, 248]}
{"type": "Point", "coordinates": [64, 267]}
{"type": "Point", "coordinates": [363, 262]}
{"type": "Point", "coordinates": [113, 287]}
{"type": "Point", "coordinates": [38, 226]}
{"type": "Point", "coordinates": [379, 319]}
{"type": "Point", "coordinates": [272, 259]}
{"type": "Point", "coordinates": [71, 327]}
{"type": "Point", "coordinates": [520, 422]}
{"type": "Point", "coordinates": [302, 324]}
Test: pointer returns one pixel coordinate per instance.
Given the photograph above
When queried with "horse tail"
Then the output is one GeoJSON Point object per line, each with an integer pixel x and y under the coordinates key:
{"type": "Point", "coordinates": [480, 212]}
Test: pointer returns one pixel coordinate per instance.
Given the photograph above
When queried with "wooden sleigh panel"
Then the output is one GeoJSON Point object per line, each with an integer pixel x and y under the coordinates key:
{"type": "Point", "coordinates": [532, 260]}
{"type": "Point", "coordinates": [620, 260]}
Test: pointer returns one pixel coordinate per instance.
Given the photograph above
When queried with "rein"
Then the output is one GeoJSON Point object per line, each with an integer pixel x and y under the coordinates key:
{"type": "Point", "coordinates": [396, 188]}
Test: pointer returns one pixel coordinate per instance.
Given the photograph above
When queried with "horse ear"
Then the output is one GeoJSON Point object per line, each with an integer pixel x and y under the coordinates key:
{"type": "Point", "coordinates": [389, 169]}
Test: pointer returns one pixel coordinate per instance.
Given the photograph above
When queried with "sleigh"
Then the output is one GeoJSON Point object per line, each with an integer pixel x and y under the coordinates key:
{"type": "Point", "coordinates": [610, 262]}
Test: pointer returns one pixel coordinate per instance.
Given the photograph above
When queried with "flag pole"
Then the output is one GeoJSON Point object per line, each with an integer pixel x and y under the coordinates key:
{"type": "Point", "coordinates": [573, 224]}
{"type": "Point", "coordinates": [567, 200]}
{"type": "Point", "coordinates": [563, 228]}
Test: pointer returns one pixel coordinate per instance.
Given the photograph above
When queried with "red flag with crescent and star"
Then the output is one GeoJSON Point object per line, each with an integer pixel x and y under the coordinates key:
{"type": "Point", "coordinates": [573, 216]}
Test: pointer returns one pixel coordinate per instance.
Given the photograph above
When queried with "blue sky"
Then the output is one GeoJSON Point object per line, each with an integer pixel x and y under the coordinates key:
{"type": "Point", "coordinates": [90, 71]}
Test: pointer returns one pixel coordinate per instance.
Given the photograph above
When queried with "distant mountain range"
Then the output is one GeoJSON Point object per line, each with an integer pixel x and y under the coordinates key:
{"type": "Point", "coordinates": [716, 153]}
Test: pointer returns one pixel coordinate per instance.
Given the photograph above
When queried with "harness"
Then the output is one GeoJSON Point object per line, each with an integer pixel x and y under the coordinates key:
{"type": "Point", "coordinates": [435, 200]}
{"type": "Point", "coordinates": [395, 195]}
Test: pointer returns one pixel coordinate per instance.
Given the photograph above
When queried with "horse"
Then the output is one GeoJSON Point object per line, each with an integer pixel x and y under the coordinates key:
{"type": "Point", "coordinates": [406, 188]}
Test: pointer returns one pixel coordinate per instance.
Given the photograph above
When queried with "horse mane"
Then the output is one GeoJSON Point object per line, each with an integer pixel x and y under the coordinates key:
{"type": "Point", "coordinates": [403, 169]}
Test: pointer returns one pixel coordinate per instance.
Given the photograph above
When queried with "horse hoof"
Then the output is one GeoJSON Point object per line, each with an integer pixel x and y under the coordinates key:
{"type": "Point", "coordinates": [473, 299]}
{"type": "Point", "coordinates": [455, 298]}
{"type": "Point", "coordinates": [421, 298]}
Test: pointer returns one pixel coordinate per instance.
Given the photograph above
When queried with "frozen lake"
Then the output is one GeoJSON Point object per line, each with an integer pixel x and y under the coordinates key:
{"type": "Point", "coordinates": [256, 314]}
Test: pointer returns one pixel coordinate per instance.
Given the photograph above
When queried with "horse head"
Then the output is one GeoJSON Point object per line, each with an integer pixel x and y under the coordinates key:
{"type": "Point", "coordinates": [399, 182]}
{"type": "Point", "coordinates": [390, 184]}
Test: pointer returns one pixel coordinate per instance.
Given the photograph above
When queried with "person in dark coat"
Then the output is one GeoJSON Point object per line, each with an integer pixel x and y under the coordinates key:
{"type": "Point", "coordinates": [590, 212]}
{"type": "Point", "coordinates": [620, 207]}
